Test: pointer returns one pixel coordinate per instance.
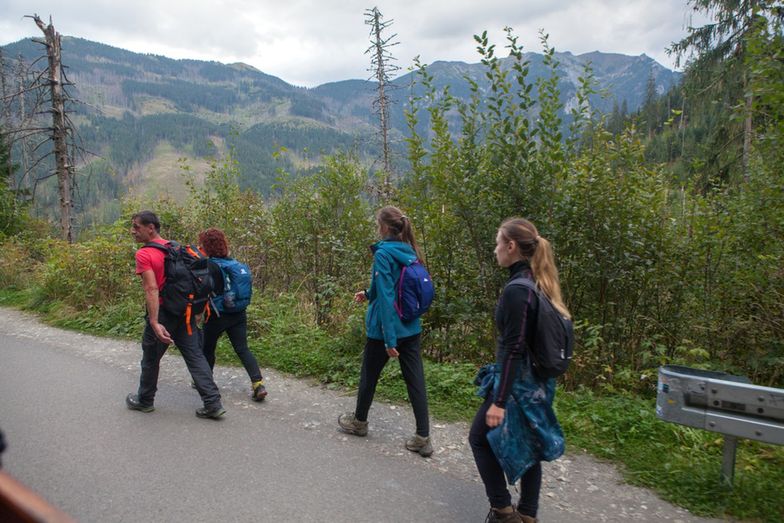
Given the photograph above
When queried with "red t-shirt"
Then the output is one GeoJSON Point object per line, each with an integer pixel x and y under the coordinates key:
{"type": "Point", "coordinates": [150, 258]}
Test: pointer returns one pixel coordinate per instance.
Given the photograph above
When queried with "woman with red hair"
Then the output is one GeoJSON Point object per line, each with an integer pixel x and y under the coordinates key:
{"type": "Point", "coordinates": [227, 316]}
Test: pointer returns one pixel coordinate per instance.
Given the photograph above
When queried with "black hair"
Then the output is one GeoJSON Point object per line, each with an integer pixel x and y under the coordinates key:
{"type": "Point", "coordinates": [147, 218]}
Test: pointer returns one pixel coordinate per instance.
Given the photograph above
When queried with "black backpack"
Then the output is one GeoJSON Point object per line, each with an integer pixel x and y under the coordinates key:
{"type": "Point", "coordinates": [189, 283]}
{"type": "Point", "coordinates": [551, 349]}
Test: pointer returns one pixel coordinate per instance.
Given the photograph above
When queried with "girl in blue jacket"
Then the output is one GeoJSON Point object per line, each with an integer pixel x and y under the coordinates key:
{"type": "Point", "coordinates": [387, 335]}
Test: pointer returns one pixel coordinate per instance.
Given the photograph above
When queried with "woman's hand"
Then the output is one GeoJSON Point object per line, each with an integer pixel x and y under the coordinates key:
{"type": "Point", "coordinates": [360, 296]}
{"type": "Point", "coordinates": [392, 352]}
{"type": "Point", "coordinates": [494, 416]}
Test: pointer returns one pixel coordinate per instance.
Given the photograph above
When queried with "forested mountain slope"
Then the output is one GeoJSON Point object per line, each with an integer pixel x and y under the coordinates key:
{"type": "Point", "coordinates": [143, 112]}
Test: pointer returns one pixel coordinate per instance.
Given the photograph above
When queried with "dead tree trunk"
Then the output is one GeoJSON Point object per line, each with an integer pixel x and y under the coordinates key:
{"type": "Point", "coordinates": [24, 145]}
{"type": "Point", "coordinates": [5, 117]}
{"type": "Point", "coordinates": [748, 128]}
{"type": "Point", "coordinates": [63, 165]}
{"type": "Point", "coordinates": [383, 101]}
{"type": "Point", "coordinates": [381, 67]}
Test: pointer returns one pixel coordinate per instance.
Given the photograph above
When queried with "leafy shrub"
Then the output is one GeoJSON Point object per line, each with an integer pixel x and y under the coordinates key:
{"type": "Point", "coordinates": [18, 268]}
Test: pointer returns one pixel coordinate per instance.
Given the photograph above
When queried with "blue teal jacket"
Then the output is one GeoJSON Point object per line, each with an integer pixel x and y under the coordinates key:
{"type": "Point", "coordinates": [530, 431]}
{"type": "Point", "coordinates": [381, 319]}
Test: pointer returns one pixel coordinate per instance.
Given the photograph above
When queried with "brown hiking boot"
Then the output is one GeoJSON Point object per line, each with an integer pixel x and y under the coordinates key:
{"type": "Point", "coordinates": [420, 445]}
{"type": "Point", "coordinates": [526, 519]}
{"type": "Point", "coordinates": [351, 425]}
{"type": "Point", "coordinates": [503, 515]}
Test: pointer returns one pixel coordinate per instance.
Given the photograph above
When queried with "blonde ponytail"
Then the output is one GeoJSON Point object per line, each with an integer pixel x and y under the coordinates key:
{"type": "Point", "coordinates": [540, 253]}
{"type": "Point", "coordinates": [546, 275]}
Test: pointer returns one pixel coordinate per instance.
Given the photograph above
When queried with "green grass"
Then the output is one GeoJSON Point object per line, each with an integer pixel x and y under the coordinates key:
{"type": "Point", "coordinates": [14, 298]}
{"type": "Point", "coordinates": [679, 463]}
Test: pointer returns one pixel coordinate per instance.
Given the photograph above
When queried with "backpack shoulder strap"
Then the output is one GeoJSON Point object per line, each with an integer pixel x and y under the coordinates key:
{"type": "Point", "coordinates": [160, 247]}
{"type": "Point", "coordinates": [522, 281]}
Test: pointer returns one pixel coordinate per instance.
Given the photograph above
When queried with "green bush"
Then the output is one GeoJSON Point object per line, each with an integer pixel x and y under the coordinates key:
{"type": "Point", "coordinates": [94, 273]}
{"type": "Point", "coordinates": [18, 268]}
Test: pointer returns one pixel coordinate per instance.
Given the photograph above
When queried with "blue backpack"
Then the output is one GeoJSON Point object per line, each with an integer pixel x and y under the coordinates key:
{"type": "Point", "coordinates": [237, 286]}
{"type": "Point", "coordinates": [415, 292]}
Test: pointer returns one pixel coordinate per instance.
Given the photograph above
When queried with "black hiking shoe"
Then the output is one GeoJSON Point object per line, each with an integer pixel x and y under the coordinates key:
{"type": "Point", "coordinates": [212, 412]}
{"type": "Point", "coordinates": [132, 401]}
{"type": "Point", "coordinates": [259, 392]}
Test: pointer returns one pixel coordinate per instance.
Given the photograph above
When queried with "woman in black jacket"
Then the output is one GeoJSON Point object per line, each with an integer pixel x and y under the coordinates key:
{"type": "Point", "coordinates": [520, 249]}
{"type": "Point", "coordinates": [235, 324]}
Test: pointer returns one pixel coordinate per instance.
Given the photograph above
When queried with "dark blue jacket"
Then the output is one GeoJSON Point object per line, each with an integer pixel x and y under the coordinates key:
{"type": "Point", "coordinates": [530, 432]}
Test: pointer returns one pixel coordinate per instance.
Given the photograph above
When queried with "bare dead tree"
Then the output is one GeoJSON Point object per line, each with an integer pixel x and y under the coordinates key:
{"type": "Point", "coordinates": [4, 110]}
{"type": "Point", "coordinates": [19, 125]}
{"type": "Point", "coordinates": [24, 142]}
{"type": "Point", "coordinates": [36, 114]}
{"type": "Point", "coordinates": [64, 166]}
{"type": "Point", "coordinates": [382, 67]}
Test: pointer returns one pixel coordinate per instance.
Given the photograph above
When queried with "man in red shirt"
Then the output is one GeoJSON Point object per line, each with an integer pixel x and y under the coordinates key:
{"type": "Point", "coordinates": [163, 328]}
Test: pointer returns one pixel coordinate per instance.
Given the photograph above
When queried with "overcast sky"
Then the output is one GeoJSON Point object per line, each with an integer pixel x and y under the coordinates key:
{"type": "Point", "coordinates": [310, 42]}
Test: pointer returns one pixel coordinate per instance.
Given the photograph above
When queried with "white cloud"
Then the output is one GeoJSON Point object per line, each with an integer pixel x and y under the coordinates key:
{"type": "Point", "coordinates": [306, 42]}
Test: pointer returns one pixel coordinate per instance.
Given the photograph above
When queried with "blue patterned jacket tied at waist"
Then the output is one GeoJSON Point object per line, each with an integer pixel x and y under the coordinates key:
{"type": "Point", "coordinates": [530, 431]}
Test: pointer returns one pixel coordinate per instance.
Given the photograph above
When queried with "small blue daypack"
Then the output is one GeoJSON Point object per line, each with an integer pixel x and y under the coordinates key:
{"type": "Point", "coordinates": [415, 292]}
{"type": "Point", "coordinates": [237, 286]}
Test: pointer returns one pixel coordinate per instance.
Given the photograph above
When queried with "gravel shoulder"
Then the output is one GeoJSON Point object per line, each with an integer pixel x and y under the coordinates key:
{"type": "Point", "coordinates": [576, 487]}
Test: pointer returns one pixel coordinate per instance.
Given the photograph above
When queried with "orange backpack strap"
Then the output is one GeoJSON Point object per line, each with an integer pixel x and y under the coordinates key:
{"type": "Point", "coordinates": [188, 309]}
{"type": "Point", "coordinates": [195, 252]}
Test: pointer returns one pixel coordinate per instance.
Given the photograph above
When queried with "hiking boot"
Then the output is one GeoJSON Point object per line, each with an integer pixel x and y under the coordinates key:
{"type": "Point", "coordinates": [259, 392]}
{"type": "Point", "coordinates": [133, 403]}
{"type": "Point", "coordinates": [351, 425]}
{"type": "Point", "coordinates": [420, 445]}
{"type": "Point", "coordinates": [212, 412]}
{"type": "Point", "coordinates": [503, 515]}
{"type": "Point", "coordinates": [526, 519]}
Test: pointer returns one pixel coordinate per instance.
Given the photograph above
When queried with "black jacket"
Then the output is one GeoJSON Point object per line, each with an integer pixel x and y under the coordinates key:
{"type": "Point", "coordinates": [515, 317]}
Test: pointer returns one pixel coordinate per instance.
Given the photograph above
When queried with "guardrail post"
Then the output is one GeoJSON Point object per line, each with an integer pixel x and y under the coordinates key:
{"type": "Point", "coordinates": [728, 460]}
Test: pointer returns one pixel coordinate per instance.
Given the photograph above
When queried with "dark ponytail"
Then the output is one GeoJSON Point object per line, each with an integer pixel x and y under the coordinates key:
{"type": "Point", "coordinates": [399, 227]}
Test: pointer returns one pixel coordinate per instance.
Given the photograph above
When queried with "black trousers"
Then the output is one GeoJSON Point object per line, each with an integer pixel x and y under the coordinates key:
{"type": "Point", "coordinates": [190, 348]}
{"type": "Point", "coordinates": [373, 361]}
{"type": "Point", "coordinates": [236, 327]}
{"type": "Point", "coordinates": [493, 475]}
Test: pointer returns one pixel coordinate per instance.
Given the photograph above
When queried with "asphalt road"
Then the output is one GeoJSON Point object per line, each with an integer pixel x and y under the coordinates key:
{"type": "Point", "coordinates": [72, 440]}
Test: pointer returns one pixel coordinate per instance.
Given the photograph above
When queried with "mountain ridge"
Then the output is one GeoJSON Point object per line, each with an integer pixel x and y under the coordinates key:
{"type": "Point", "coordinates": [135, 101]}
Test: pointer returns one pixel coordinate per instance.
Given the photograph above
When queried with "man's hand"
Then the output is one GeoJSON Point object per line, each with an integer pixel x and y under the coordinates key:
{"type": "Point", "coordinates": [151, 298]}
{"type": "Point", "coordinates": [392, 352]}
{"type": "Point", "coordinates": [494, 416]}
{"type": "Point", "coordinates": [161, 333]}
{"type": "Point", "coordinates": [360, 296]}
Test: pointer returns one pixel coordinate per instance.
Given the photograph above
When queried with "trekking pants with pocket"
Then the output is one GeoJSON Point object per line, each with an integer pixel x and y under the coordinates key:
{"type": "Point", "coordinates": [190, 348]}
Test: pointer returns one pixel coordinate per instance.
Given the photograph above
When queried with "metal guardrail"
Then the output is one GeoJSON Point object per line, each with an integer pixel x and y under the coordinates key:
{"type": "Point", "coordinates": [722, 403]}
